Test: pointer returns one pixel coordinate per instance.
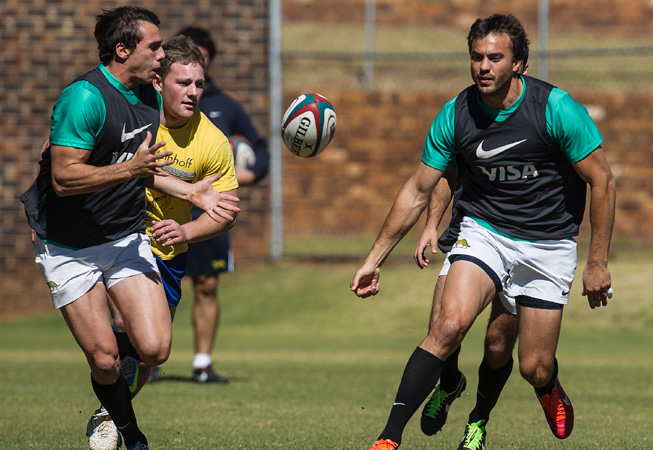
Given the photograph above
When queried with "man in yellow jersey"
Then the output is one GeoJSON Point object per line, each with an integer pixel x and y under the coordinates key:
{"type": "Point", "coordinates": [199, 150]}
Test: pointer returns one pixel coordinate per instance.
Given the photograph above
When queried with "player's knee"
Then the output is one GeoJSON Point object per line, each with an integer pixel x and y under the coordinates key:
{"type": "Point", "coordinates": [206, 288]}
{"type": "Point", "coordinates": [536, 371]}
{"type": "Point", "coordinates": [448, 332]}
{"type": "Point", "coordinates": [118, 323]}
{"type": "Point", "coordinates": [154, 359]}
{"type": "Point", "coordinates": [498, 351]}
{"type": "Point", "coordinates": [104, 365]}
{"type": "Point", "coordinates": [154, 352]}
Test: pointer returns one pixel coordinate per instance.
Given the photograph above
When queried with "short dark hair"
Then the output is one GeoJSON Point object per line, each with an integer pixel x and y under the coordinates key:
{"type": "Point", "coordinates": [202, 38]}
{"type": "Point", "coordinates": [179, 49]}
{"type": "Point", "coordinates": [502, 24]}
{"type": "Point", "coordinates": [120, 25]}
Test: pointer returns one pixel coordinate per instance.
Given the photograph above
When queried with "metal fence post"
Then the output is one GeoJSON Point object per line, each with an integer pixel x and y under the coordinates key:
{"type": "Point", "coordinates": [370, 29]}
{"type": "Point", "coordinates": [543, 39]}
{"type": "Point", "coordinates": [276, 179]}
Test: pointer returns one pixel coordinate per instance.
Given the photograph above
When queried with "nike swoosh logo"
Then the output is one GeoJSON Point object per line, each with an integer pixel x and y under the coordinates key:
{"type": "Point", "coordinates": [214, 114]}
{"type": "Point", "coordinates": [567, 401]}
{"type": "Point", "coordinates": [130, 135]}
{"type": "Point", "coordinates": [398, 404]}
{"type": "Point", "coordinates": [485, 154]}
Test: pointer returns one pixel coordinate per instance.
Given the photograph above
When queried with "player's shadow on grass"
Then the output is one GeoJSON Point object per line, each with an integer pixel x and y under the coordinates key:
{"type": "Point", "coordinates": [180, 378]}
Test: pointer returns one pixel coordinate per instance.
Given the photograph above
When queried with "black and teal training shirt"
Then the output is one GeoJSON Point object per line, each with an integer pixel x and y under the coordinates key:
{"type": "Point", "coordinates": [99, 114]}
{"type": "Point", "coordinates": [515, 164]}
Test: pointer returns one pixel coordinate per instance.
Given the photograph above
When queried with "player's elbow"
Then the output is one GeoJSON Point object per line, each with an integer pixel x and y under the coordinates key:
{"type": "Point", "coordinates": [611, 183]}
{"type": "Point", "coordinates": [606, 185]}
{"type": "Point", "coordinates": [60, 188]}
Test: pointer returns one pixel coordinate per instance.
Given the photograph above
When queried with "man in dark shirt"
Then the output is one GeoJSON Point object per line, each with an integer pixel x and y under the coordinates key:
{"type": "Point", "coordinates": [525, 152]}
{"type": "Point", "coordinates": [87, 208]}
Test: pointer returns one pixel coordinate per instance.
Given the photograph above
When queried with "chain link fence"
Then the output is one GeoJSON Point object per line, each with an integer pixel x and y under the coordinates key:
{"type": "Point", "coordinates": [435, 58]}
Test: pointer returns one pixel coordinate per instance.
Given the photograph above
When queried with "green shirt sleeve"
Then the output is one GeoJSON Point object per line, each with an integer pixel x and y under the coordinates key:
{"type": "Point", "coordinates": [570, 126]}
{"type": "Point", "coordinates": [439, 149]}
{"type": "Point", "coordinates": [78, 116]}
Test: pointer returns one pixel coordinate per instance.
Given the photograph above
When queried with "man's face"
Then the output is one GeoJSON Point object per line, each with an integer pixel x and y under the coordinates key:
{"type": "Point", "coordinates": [181, 91]}
{"type": "Point", "coordinates": [491, 64]}
{"type": "Point", "coordinates": [147, 55]}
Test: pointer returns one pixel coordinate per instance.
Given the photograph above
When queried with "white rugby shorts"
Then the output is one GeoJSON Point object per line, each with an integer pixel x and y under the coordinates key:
{"type": "Point", "coordinates": [71, 273]}
{"type": "Point", "coordinates": [507, 301]}
{"type": "Point", "coordinates": [543, 270]}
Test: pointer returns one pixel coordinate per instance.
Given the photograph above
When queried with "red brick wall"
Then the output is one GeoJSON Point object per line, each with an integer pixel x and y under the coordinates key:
{"type": "Point", "coordinates": [350, 187]}
{"type": "Point", "coordinates": [584, 13]}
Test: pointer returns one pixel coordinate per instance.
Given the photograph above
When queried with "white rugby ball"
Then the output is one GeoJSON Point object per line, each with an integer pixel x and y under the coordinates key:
{"type": "Point", "coordinates": [308, 125]}
{"type": "Point", "coordinates": [244, 155]}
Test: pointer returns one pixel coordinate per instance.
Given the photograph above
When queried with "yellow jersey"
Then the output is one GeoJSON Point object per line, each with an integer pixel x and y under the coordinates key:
{"type": "Point", "coordinates": [199, 150]}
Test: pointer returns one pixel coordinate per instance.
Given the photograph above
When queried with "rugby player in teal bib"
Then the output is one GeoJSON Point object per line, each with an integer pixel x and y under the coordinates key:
{"type": "Point", "coordinates": [87, 210]}
{"type": "Point", "coordinates": [525, 152]}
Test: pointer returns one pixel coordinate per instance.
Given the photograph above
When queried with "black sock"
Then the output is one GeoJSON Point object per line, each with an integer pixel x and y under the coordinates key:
{"type": "Point", "coordinates": [125, 346]}
{"type": "Point", "coordinates": [116, 398]}
{"type": "Point", "coordinates": [450, 377]}
{"type": "Point", "coordinates": [548, 388]}
{"type": "Point", "coordinates": [420, 375]}
{"type": "Point", "coordinates": [490, 384]}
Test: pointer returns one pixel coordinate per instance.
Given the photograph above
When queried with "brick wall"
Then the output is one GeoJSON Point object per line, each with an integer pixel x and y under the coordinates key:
{"type": "Point", "coordinates": [584, 13]}
{"type": "Point", "coordinates": [350, 187]}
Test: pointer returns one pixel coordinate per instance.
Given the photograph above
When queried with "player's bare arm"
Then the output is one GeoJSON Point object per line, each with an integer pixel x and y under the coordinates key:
{"type": "Point", "coordinates": [406, 210]}
{"type": "Point", "coordinates": [595, 171]}
{"type": "Point", "coordinates": [438, 203]}
{"type": "Point", "coordinates": [204, 227]}
{"type": "Point", "coordinates": [218, 205]}
{"type": "Point", "coordinates": [71, 175]}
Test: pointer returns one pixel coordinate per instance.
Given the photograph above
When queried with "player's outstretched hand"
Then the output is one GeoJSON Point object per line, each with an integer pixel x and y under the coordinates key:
{"type": "Point", "coordinates": [597, 284]}
{"type": "Point", "coordinates": [366, 282]}
{"type": "Point", "coordinates": [429, 238]}
{"type": "Point", "coordinates": [147, 161]}
{"type": "Point", "coordinates": [216, 204]}
{"type": "Point", "coordinates": [168, 232]}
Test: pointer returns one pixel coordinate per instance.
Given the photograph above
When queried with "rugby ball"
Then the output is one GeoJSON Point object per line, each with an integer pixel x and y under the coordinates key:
{"type": "Point", "coordinates": [244, 155]}
{"type": "Point", "coordinates": [308, 125]}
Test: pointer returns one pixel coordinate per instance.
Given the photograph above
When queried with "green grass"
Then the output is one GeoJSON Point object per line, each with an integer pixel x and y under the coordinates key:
{"type": "Point", "coordinates": [314, 367]}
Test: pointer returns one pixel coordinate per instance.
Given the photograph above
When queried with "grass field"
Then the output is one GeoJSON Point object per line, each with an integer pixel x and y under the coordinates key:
{"type": "Point", "coordinates": [313, 367]}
